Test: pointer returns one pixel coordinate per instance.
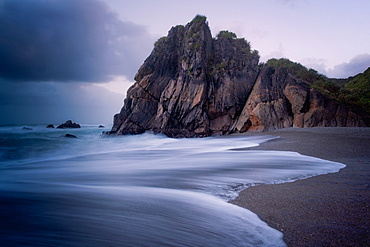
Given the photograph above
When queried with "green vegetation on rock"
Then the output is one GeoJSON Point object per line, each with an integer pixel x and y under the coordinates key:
{"type": "Point", "coordinates": [159, 46]}
{"type": "Point", "coordinates": [160, 41]}
{"type": "Point", "coordinates": [199, 19]}
{"type": "Point", "coordinates": [226, 34]}
{"type": "Point", "coordinates": [358, 90]}
{"type": "Point", "coordinates": [195, 24]}
{"type": "Point", "coordinates": [296, 69]}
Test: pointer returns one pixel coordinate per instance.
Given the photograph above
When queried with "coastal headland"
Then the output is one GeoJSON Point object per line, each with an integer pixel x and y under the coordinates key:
{"type": "Point", "coordinates": [196, 85]}
{"type": "Point", "coordinates": [325, 210]}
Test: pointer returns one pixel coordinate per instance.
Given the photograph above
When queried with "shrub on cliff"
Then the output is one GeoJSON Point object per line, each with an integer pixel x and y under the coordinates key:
{"type": "Point", "coordinates": [359, 89]}
{"type": "Point", "coordinates": [226, 34]}
{"type": "Point", "coordinates": [297, 69]}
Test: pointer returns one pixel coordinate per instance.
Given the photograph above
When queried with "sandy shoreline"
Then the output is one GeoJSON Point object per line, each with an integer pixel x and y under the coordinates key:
{"type": "Point", "coordinates": [326, 210]}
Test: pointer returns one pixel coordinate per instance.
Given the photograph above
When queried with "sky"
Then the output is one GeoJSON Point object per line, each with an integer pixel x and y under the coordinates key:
{"type": "Point", "coordinates": [75, 59]}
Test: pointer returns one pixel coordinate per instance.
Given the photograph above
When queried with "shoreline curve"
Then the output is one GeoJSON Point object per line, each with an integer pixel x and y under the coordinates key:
{"type": "Point", "coordinates": [325, 210]}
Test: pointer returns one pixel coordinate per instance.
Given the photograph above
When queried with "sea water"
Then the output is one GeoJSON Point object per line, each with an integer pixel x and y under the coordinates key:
{"type": "Point", "coordinates": [136, 190]}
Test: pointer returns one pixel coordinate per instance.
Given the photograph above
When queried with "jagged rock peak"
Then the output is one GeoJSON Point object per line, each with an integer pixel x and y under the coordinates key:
{"type": "Point", "coordinates": [193, 85]}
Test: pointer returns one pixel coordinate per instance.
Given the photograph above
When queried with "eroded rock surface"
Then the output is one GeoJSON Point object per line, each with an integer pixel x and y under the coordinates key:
{"type": "Point", "coordinates": [278, 100]}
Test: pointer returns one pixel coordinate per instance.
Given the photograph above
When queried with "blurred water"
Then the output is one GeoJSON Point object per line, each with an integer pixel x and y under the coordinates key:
{"type": "Point", "coordinates": [144, 190]}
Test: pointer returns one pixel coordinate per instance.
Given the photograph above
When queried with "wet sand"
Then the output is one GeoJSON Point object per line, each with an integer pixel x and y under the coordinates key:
{"type": "Point", "coordinates": [326, 210]}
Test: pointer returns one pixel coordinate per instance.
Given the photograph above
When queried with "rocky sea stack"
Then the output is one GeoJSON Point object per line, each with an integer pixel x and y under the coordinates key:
{"type": "Point", "coordinates": [193, 85]}
{"type": "Point", "coordinates": [69, 125]}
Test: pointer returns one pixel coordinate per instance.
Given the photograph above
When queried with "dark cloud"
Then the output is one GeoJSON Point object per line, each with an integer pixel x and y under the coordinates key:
{"type": "Point", "coordinates": [67, 40]}
{"type": "Point", "coordinates": [356, 65]}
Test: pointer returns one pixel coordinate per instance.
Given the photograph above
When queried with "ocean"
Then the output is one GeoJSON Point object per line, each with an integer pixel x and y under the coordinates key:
{"type": "Point", "coordinates": [136, 190]}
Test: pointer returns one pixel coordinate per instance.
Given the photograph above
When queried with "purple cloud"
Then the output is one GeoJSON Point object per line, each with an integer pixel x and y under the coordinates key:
{"type": "Point", "coordinates": [356, 65]}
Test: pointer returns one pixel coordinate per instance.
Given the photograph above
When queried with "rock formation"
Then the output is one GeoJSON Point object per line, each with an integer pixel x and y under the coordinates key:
{"type": "Point", "coordinates": [279, 100]}
{"type": "Point", "coordinates": [193, 85]}
{"type": "Point", "coordinates": [68, 124]}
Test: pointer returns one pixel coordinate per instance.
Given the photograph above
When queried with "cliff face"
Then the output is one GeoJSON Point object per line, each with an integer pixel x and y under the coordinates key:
{"type": "Point", "coordinates": [279, 100]}
{"type": "Point", "coordinates": [193, 85]}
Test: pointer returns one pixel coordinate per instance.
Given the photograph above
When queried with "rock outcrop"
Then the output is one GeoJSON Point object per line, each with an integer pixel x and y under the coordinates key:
{"type": "Point", "coordinates": [193, 85]}
{"type": "Point", "coordinates": [70, 136]}
{"type": "Point", "coordinates": [279, 100]}
{"type": "Point", "coordinates": [68, 124]}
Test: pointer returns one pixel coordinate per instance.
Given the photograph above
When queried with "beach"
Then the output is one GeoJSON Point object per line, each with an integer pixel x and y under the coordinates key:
{"type": "Point", "coordinates": [325, 210]}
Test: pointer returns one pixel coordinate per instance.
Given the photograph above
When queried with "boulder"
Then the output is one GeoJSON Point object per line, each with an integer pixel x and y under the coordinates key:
{"type": "Point", "coordinates": [50, 126]}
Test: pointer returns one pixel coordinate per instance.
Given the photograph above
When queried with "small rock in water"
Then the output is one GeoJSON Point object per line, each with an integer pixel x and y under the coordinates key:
{"type": "Point", "coordinates": [68, 124]}
{"type": "Point", "coordinates": [50, 126]}
{"type": "Point", "coordinates": [101, 126]}
{"type": "Point", "coordinates": [70, 136]}
{"type": "Point", "coordinates": [26, 128]}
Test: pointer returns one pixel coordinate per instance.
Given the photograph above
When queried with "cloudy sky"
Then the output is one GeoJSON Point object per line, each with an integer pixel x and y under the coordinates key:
{"type": "Point", "coordinates": [75, 59]}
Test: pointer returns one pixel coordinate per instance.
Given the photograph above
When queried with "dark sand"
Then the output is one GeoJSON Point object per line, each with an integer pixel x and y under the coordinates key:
{"type": "Point", "coordinates": [326, 210]}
